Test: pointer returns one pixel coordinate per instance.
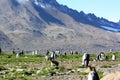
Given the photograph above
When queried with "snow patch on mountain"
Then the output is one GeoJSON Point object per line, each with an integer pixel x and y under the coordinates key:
{"type": "Point", "coordinates": [42, 4]}
{"type": "Point", "coordinates": [36, 2]}
{"type": "Point", "coordinates": [22, 1]}
{"type": "Point", "coordinates": [45, 5]}
{"type": "Point", "coordinates": [111, 29]}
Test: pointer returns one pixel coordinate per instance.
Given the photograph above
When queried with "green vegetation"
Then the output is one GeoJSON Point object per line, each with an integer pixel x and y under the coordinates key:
{"type": "Point", "coordinates": [2, 68]}
{"type": "Point", "coordinates": [70, 57]}
{"type": "Point", "coordinates": [100, 74]}
{"type": "Point", "coordinates": [27, 67]}
{"type": "Point", "coordinates": [76, 67]}
{"type": "Point", "coordinates": [105, 66]}
{"type": "Point", "coordinates": [82, 73]}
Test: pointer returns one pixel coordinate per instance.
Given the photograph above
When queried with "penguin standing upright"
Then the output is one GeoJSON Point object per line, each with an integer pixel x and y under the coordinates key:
{"type": "Point", "coordinates": [52, 55]}
{"type": "Point", "coordinates": [113, 57]}
{"type": "Point", "coordinates": [93, 74]}
{"type": "Point", "coordinates": [85, 59]}
{"type": "Point", "coordinates": [17, 55]}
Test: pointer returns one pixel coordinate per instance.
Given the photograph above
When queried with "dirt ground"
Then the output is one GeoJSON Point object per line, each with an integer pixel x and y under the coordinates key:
{"type": "Point", "coordinates": [114, 67]}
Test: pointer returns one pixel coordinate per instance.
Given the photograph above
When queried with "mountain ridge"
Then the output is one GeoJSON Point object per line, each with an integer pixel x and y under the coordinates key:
{"type": "Point", "coordinates": [81, 16]}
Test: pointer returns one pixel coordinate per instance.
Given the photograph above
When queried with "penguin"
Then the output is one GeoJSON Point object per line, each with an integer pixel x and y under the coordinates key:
{"type": "Point", "coordinates": [93, 75]}
{"type": "Point", "coordinates": [17, 55]}
{"type": "Point", "coordinates": [113, 57]}
{"type": "Point", "coordinates": [85, 59]}
{"type": "Point", "coordinates": [52, 55]}
{"type": "Point", "coordinates": [46, 57]}
{"type": "Point", "coordinates": [56, 63]}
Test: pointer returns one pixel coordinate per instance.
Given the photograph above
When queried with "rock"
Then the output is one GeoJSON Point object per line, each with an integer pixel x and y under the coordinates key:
{"type": "Point", "coordinates": [73, 71]}
{"type": "Point", "coordinates": [19, 69]}
{"type": "Point", "coordinates": [106, 73]}
{"type": "Point", "coordinates": [59, 74]}
{"type": "Point", "coordinates": [118, 64]}
{"type": "Point", "coordinates": [68, 73]}
{"type": "Point", "coordinates": [80, 70]}
{"type": "Point", "coordinates": [38, 71]}
{"type": "Point", "coordinates": [11, 69]}
{"type": "Point", "coordinates": [112, 76]}
{"type": "Point", "coordinates": [2, 73]}
{"type": "Point", "coordinates": [87, 70]}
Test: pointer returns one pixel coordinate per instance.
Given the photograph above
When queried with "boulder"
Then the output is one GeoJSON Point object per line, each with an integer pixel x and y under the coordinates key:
{"type": "Point", "coordinates": [112, 76]}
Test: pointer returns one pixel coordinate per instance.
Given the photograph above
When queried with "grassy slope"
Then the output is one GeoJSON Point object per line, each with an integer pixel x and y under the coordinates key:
{"type": "Point", "coordinates": [26, 67]}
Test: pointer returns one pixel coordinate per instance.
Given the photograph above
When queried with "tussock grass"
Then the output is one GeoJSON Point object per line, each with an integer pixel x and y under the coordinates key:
{"type": "Point", "coordinates": [105, 66]}
{"type": "Point", "coordinates": [82, 73]}
{"type": "Point", "coordinates": [75, 57]}
{"type": "Point", "coordinates": [100, 74]}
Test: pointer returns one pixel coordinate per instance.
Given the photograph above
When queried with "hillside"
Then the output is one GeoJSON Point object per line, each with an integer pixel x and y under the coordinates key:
{"type": "Point", "coordinates": [43, 25]}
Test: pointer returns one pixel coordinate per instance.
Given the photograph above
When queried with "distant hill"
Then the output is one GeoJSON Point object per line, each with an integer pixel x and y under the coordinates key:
{"type": "Point", "coordinates": [45, 24]}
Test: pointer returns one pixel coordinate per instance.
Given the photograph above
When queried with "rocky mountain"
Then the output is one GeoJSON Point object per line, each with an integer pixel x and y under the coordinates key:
{"type": "Point", "coordinates": [45, 24]}
{"type": "Point", "coordinates": [81, 17]}
{"type": "Point", "coordinates": [119, 22]}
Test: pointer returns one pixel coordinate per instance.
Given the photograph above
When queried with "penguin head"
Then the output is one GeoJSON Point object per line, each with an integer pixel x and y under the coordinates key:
{"type": "Point", "coordinates": [89, 69]}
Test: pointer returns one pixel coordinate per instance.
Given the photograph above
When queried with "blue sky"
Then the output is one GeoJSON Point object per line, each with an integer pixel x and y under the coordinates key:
{"type": "Point", "coordinates": [109, 9]}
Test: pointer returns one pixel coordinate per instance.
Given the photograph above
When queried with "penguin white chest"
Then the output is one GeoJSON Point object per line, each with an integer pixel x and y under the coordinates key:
{"type": "Point", "coordinates": [91, 75]}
